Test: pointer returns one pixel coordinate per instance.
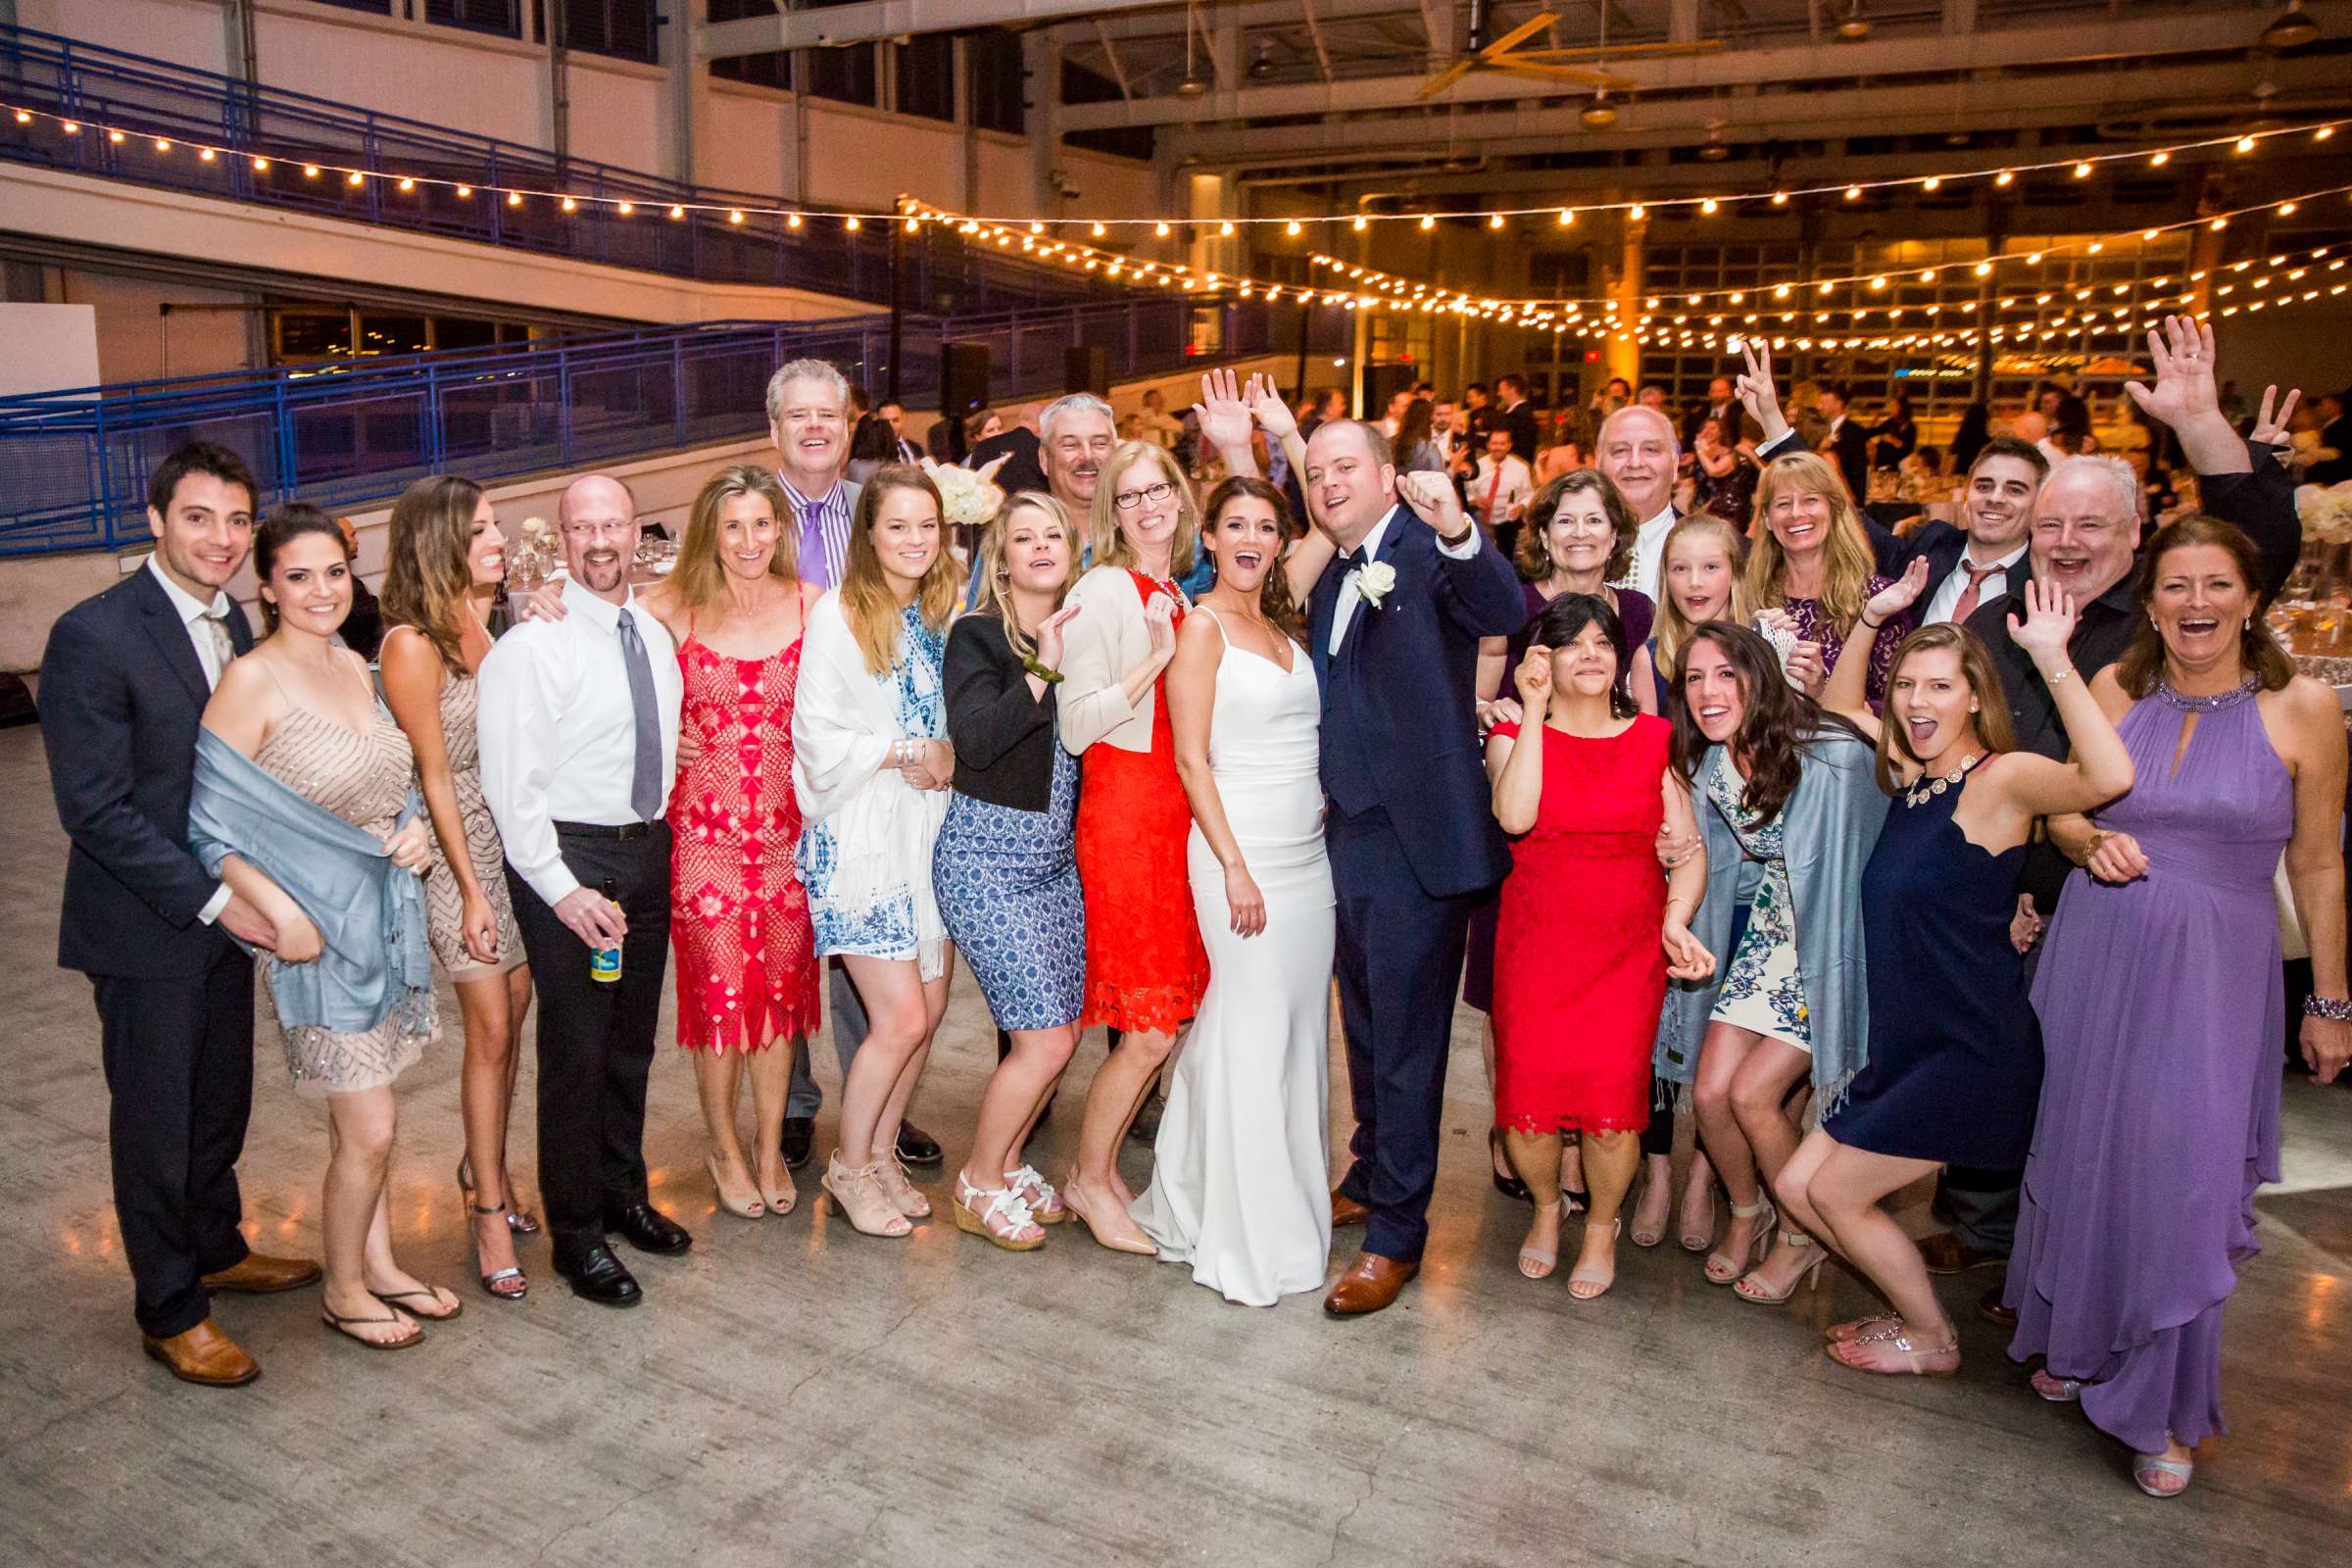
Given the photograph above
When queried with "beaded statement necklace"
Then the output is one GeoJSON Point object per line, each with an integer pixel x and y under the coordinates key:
{"type": "Point", "coordinates": [1927, 789]}
{"type": "Point", "coordinates": [2207, 705]}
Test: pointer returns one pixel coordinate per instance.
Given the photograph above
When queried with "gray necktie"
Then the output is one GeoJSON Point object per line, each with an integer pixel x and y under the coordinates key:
{"type": "Point", "coordinates": [215, 626]}
{"type": "Point", "coordinates": [645, 780]}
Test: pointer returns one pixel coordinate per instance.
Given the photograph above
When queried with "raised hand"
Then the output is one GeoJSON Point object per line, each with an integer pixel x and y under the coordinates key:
{"type": "Point", "coordinates": [1225, 419]}
{"type": "Point", "coordinates": [1898, 595]}
{"type": "Point", "coordinates": [1533, 679]}
{"type": "Point", "coordinates": [1805, 667]}
{"type": "Point", "coordinates": [1050, 636]}
{"type": "Point", "coordinates": [543, 603]}
{"type": "Point", "coordinates": [2268, 429]}
{"type": "Point", "coordinates": [2048, 627]}
{"type": "Point", "coordinates": [1432, 498]}
{"type": "Point", "coordinates": [1266, 406]}
{"type": "Point", "coordinates": [2181, 350]}
{"type": "Point", "coordinates": [1756, 393]}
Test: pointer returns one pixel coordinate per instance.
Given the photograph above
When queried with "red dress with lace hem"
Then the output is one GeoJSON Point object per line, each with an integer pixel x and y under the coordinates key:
{"type": "Point", "coordinates": [739, 917]}
{"type": "Point", "coordinates": [1146, 969]}
{"type": "Point", "coordinates": [1579, 973]}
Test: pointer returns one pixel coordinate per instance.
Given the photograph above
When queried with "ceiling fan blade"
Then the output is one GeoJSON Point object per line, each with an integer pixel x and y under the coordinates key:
{"type": "Point", "coordinates": [1518, 36]}
{"type": "Point", "coordinates": [1447, 78]}
{"type": "Point", "coordinates": [1519, 67]}
{"type": "Point", "coordinates": [1699, 46]}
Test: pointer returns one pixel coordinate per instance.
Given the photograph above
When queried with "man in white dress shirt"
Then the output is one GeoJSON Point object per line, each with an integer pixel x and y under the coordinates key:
{"type": "Point", "coordinates": [579, 742]}
{"type": "Point", "coordinates": [1637, 452]}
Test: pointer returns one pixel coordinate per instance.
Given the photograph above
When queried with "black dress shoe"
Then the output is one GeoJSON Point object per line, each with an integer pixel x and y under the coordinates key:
{"type": "Point", "coordinates": [917, 1146]}
{"type": "Point", "coordinates": [800, 1137]}
{"type": "Point", "coordinates": [648, 1229]}
{"type": "Point", "coordinates": [596, 1275]}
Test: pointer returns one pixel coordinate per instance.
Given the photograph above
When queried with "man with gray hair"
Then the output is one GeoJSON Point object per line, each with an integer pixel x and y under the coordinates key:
{"type": "Point", "coordinates": [808, 419]}
{"type": "Point", "coordinates": [1077, 433]}
{"type": "Point", "coordinates": [1637, 452]}
{"type": "Point", "coordinates": [2086, 533]}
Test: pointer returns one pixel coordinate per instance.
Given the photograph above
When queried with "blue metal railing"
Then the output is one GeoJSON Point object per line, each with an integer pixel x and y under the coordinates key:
{"type": "Point", "coordinates": [73, 465]}
{"type": "Point", "coordinates": [94, 85]}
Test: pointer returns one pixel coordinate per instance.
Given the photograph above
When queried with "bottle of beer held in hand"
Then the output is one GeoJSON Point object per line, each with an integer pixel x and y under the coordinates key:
{"type": "Point", "coordinates": [604, 963]}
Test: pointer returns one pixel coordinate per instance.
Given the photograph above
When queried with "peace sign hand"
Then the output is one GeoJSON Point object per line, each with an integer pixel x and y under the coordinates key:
{"type": "Point", "coordinates": [2270, 429]}
{"type": "Point", "coordinates": [1756, 393]}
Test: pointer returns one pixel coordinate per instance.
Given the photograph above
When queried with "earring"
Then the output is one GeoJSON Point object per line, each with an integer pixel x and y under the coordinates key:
{"type": "Point", "coordinates": [1003, 575]}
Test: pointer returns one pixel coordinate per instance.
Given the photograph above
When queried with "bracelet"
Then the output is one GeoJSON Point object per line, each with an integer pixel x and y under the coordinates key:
{"type": "Point", "coordinates": [1052, 677]}
{"type": "Point", "coordinates": [2091, 849]}
{"type": "Point", "coordinates": [2059, 678]}
{"type": "Point", "coordinates": [1671, 903]}
{"type": "Point", "coordinates": [2337, 1010]}
{"type": "Point", "coordinates": [1874, 625]}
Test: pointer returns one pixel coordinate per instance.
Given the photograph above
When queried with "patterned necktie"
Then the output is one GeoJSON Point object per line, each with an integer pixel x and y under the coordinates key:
{"type": "Point", "coordinates": [645, 780]}
{"type": "Point", "coordinates": [215, 627]}
{"type": "Point", "coordinates": [1975, 589]}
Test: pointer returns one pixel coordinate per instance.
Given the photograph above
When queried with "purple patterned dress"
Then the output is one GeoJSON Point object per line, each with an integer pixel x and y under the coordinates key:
{"type": "Point", "coordinates": [2160, 1003]}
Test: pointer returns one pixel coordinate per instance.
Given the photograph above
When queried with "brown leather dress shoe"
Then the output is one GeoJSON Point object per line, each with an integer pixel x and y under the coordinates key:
{"type": "Point", "coordinates": [204, 1354]}
{"type": "Point", "coordinates": [260, 1274]}
{"type": "Point", "coordinates": [1990, 1309]}
{"type": "Point", "coordinates": [1945, 1253]}
{"type": "Point", "coordinates": [1346, 1210]}
{"type": "Point", "coordinates": [1370, 1283]}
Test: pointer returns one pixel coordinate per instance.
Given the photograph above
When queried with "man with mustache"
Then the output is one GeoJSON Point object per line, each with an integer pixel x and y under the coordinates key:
{"type": "Point", "coordinates": [579, 743]}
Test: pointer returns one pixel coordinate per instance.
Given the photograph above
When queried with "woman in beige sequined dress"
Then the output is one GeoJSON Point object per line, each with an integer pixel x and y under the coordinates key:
{"type": "Point", "coordinates": [306, 712]}
{"type": "Point", "coordinates": [446, 559]}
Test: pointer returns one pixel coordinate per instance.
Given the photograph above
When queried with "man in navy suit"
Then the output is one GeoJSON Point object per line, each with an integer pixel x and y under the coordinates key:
{"type": "Point", "coordinates": [1847, 444]}
{"type": "Point", "coordinates": [1394, 627]}
{"type": "Point", "coordinates": [123, 684]}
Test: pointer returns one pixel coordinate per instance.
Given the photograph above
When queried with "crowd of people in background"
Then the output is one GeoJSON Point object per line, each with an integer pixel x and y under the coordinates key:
{"type": "Point", "coordinates": [1771, 825]}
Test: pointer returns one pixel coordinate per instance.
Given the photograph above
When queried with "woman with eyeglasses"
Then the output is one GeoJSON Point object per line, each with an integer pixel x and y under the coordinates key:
{"type": "Point", "coordinates": [1146, 968]}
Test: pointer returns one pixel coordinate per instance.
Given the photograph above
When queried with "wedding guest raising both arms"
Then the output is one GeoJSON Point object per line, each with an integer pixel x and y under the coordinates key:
{"type": "Point", "coordinates": [304, 804]}
{"type": "Point", "coordinates": [124, 678]}
{"type": "Point", "coordinates": [446, 560]}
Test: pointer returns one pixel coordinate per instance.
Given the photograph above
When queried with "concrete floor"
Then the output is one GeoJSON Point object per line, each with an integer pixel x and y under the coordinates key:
{"type": "Point", "coordinates": [793, 1394]}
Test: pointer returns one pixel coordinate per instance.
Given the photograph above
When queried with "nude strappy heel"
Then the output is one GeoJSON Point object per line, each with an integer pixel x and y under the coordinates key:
{"type": "Point", "coordinates": [1538, 1262]}
{"type": "Point", "coordinates": [855, 1193]}
{"type": "Point", "coordinates": [1724, 1268]}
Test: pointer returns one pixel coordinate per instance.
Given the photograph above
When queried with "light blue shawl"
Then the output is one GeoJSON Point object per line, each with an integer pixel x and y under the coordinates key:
{"type": "Point", "coordinates": [1833, 819]}
{"type": "Point", "coordinates": [369, 912]}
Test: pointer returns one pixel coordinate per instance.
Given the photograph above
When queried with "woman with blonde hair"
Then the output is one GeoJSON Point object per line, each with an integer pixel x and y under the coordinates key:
{"type": "Point", "coordinates": [739, 917]}
{"type": "Point", "coordinates": [1004, 868]}
{"type": "Point", "coordinates": [1811, 571]}
{"type": "Point", "coordinates": [871, 767]}
{"type": "Point", "coordinates": [445, 563]}
{"type": "Point", "coordinates": [1146, 968]}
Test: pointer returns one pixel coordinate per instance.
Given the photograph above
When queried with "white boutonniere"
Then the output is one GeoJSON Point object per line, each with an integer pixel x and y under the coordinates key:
{"type": "Point", "coordinates": [1373, 581]}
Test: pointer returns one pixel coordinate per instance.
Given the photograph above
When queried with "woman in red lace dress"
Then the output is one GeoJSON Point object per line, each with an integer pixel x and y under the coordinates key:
{"type": "Point", "coordinates": [1145, 966]}
{"type": "Point", "coordinates": [1589, 924]}
{"type": "Point", "coordinates": [739, 917]}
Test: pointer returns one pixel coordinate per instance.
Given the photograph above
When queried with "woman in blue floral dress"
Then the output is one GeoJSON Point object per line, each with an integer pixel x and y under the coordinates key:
{"type": "Point", "coordinates": [871, 766]}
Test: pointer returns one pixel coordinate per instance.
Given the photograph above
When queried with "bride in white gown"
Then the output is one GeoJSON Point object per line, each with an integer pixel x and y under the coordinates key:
{"type": "Point", "coordinates": [1240, 1189]}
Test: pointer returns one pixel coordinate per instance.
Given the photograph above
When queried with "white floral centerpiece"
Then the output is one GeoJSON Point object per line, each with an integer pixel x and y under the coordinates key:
{"type": "Point", "coordinates": [2327, 511]}
{"type": "Point", "coordinates": [967, 499]}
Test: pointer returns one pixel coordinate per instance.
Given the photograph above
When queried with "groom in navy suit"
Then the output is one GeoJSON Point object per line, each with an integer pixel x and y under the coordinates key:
{"type": "Point", "coordinates": [1394, 627]}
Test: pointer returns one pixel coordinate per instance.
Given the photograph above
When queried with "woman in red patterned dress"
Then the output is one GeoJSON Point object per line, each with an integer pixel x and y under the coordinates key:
{"type": "Point", "coordinates": [1146, 968]}
{"type": "Point", "coordinates": [739, 917]}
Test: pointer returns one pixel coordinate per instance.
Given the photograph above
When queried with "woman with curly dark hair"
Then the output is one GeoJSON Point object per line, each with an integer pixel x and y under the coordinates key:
{"type": "Point", "coordinates": [1789, 808]}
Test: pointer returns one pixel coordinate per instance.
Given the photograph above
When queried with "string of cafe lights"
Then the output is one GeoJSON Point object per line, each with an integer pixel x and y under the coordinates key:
{"type": "Point", "coordinates": [1366, 288]}
{"type": "Point", "coordinates": [1391, 288]}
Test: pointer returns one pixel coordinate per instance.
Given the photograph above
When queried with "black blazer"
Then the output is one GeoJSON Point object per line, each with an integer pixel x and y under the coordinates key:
{"type": "Point", "coordinates": [1849, 450]}
{"type": "Point", "coordinates": [1003, 738]}
{"type": "Point", "coordinates": [121, 694]}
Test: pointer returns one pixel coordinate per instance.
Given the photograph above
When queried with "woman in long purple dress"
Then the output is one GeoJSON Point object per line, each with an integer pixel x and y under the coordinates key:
{"type": "Point", "coordinates": [2159, 996]}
